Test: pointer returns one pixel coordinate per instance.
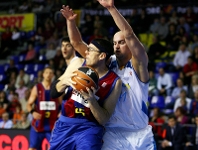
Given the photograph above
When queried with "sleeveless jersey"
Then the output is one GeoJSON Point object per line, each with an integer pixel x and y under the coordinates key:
{"type": "Point", "coordinates": [131, 112]}
{"type": "Point", "coordinates": [76, 107]}
{"type": "Point", "coordinates": [47, 107]}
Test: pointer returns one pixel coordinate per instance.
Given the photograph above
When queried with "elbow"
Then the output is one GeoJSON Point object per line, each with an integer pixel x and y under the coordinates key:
{"type": "Point", "coordinates": [128, 34]}
{"type": "Point", "coordinates": [102, 122]}
{"type": "Point", "coordinates": [75, 44]}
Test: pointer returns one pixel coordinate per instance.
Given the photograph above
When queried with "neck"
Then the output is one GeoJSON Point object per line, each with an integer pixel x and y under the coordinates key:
{"type": "Point", "coordinates": [122, 62]}
{"type": "Point", "coordinates": [69, 60]}
{"type": "Point", "coordinates": [46, 84]}
{"type": "Point", "coordinates": [101, 71]}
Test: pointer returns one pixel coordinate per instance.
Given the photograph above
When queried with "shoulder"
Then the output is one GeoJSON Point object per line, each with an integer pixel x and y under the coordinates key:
{"type": "Point", "coordinates": [75, 64]}
{"type": "Point", "coordinates": [76, 61]}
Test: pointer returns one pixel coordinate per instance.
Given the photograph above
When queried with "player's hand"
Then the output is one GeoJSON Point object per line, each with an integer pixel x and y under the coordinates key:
{"type": "Point", "coordinates": [36, 115]}
{"type": "Point", "coordinates": [106, 3]}
{"type": "Point", "coordinates": [67, 81]}
{"type": "Point", "coordinates": [90, 96]}
{"type": "Point", "coordinates": [68, 13]}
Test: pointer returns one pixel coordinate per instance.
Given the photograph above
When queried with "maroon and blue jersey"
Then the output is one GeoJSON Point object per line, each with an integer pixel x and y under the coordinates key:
{"type": "Point", "coordinates": [47, 107]}
{"type": "Point", "coordinates": [76, 107]}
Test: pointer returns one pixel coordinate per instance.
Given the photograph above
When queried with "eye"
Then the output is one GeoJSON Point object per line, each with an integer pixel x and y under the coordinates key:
{"type": "Point", "coordinates": [122, 42]}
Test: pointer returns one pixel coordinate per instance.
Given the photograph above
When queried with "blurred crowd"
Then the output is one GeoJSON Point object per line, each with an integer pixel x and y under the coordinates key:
{"type": "Point", "coordinates": [172, 52]}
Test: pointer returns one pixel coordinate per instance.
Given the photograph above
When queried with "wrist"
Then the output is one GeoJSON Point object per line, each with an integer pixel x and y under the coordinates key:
{"type": "Point", "coordinates": [110, 8]}
{"type": "Point", "coordinates": [61, 86]}
{"type": "Point", "coordinates": [32, 111]}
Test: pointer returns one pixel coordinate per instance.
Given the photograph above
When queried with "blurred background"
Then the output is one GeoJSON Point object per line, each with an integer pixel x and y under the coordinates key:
{"type": "Point", "coordinates": [30, 39]}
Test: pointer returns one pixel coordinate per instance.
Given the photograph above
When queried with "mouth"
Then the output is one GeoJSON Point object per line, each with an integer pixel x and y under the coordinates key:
{"type": "Point", "coordinates": [117, 52]}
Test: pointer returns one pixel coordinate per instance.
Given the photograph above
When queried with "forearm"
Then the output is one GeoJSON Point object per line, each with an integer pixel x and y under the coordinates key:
{"type": "Point", "coordinates": [120, 21]}
{"type": "Point", "coordinates": [29, 107]}
{"type": "Point", "coordinates": [73, 32]}
{"type": "Point", "coordinates": [56, 92]}
{"type": "Point", "coordinates": [75, 38]}
{"type": "Point", "coordinates": [100, 114]}
{"type": "Point", "coordinates": [60, 87]}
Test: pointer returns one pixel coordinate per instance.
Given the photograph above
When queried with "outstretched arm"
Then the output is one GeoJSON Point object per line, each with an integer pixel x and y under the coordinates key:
{"type": "Point", "coordinates": [73, 32]}
{"type": "Point", "coordinates": [139, 56]}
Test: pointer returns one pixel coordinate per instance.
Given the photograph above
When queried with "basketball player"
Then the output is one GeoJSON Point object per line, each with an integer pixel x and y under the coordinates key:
{"type": "Point", "coordinates": [80, 125]}
{"type": "Point", "coordinates": [68, 51]}
{"type": "Point", "coordinates": [128, 127]}
{"type": "Point", "coordinates": [43, 109]}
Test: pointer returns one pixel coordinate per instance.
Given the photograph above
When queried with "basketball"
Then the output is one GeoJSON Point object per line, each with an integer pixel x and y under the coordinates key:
{"type": "Point", "coordinates": [86, 77]}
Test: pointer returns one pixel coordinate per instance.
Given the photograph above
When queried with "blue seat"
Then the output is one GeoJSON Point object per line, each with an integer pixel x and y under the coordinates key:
{"type": "Point", "coordinates": [160, 65]}
{"type": "Point", "coordinates": [23, 35]}
{"type": "Point", "coordinates": [2, 87]}
{"type": "Point", "coordinates": [33, 76]}
{"type": "Point", "coordinates": [22, 57]}
{"type": "Point", "coordinates": [15, 58]}
{"type": "Point", "coordinates": [20, 66]}
{"type": "Point", "coordinates": [42, 58]}
{"type": "Point", "coordinates": [30, 34]}
{"type": "Point", "coordinates": [2, 77]}
{"type": "Point", "coordinates": [157, 101]}
{"type": "Point", "coordinates": [38, 67]}
{"type": "Point", "coordinates": [37, 49]}
{"type": "Point", "coordinates": [2, 69]}
{"type": "Point", "coordinates": [169, 100]}
{"type": "Point", "coordinates": [169, 104]}
{"type": "Point", "coordinates": [29, 68]}
{"type": "Point", "coordinates": [175, 76]}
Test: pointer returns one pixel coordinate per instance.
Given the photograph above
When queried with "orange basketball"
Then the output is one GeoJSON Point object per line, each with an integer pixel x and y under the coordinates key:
{"type": "Point", "coordinates": [86, 77]}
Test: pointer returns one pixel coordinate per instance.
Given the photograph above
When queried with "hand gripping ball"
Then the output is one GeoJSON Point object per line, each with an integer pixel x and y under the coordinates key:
{"type": "Point", "coordinates": [86, 77]}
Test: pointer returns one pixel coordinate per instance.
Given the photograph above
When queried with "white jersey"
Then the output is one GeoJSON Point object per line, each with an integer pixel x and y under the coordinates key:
{"type": "Point", "coordinates": [131, 112]}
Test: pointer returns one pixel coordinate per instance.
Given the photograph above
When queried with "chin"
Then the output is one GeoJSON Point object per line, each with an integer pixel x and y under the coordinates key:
{"type": "Point", "coordinates": [118, 55]}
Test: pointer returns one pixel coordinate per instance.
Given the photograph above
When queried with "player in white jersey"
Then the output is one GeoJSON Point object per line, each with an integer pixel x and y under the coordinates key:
{"type": "Point", "coordinates": [128, 128]}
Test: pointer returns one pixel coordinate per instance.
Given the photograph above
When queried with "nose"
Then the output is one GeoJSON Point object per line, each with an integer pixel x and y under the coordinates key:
{"type": "Point", "coordinates": [116, 45]}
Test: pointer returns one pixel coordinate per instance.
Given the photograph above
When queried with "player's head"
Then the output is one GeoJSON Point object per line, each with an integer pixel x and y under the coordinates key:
{"type": "Point", "coordinates": [98, 50]}
{"type": "Point", "coordinates": [67, 49]}
{"type": "Point", "coordinates": [121, 49]}
{"type": "Point", "coordinates": [48, 74]}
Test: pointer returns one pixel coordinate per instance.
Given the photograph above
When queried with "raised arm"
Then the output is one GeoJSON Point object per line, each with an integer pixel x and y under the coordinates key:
{"type": "Point", "coordinates": [139, 55]}
{"type": "Point", "coordinates": [73, 32]}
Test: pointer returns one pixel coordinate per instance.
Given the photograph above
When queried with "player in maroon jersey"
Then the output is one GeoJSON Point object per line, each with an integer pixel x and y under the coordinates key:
{"type": "Point", "coordinates": [44, 110]}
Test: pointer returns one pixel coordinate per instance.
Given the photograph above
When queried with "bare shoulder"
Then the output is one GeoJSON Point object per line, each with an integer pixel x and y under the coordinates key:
{"type": "Point", "coordinates": [118, 83]}
{"type": "Point", "coordinates": [75, 64]}
{"type": "Point", "coordinates": [117, 87]}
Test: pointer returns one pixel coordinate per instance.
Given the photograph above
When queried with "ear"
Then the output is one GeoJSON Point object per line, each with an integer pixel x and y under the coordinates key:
{"type": "Point", "coordinates": [102, 56]}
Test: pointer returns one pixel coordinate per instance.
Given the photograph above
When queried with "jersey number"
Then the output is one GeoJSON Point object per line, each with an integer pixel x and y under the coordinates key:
{"type": "Point", "coordinates": [80, 111]}
{"type": "Point", "coordinates": [47, 114]}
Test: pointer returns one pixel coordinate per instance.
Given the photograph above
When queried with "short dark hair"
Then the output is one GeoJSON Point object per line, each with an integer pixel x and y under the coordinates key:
{"type": "Point", "coordinates": [65, 39]}
{"type": "Point", "coordinates": [104, 46]}
{"type": "Point", "coordinates": [172, 117]}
